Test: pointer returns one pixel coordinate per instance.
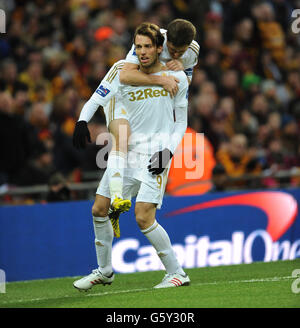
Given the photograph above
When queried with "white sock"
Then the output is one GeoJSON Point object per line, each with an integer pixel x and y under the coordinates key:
{"type": "Point", "coordinates": [103, 242]}
{"type": "Point", "coordinates": [160, 240]}
{"type": "Point", "coordinates": [115, 170]}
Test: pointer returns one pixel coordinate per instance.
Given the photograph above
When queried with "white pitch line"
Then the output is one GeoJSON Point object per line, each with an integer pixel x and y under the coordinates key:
{"type": "Point", "coordinates": [270, 279]}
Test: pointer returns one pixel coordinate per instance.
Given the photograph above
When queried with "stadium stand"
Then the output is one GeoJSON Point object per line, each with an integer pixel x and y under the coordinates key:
{"type": "Point", "coordinates": [245, 90]}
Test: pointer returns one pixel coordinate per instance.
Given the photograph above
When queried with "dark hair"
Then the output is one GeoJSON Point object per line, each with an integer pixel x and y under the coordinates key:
{"type": "Point", "coordinates": [152, 31]}
{"type": "Point", "coordinates": [181, 32]}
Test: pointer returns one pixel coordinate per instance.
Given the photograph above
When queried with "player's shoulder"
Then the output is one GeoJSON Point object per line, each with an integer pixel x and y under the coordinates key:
{"type": "Point", "coordinates": [181, 77]}
{"type": "Point", "coordinates": [119, 64]}
{"type": "Point", "coordinates": [116, 67]}
{"type": "Point", "coordinates": [114, 72]}
{"type": "Point", "coordinates": [194, 48]}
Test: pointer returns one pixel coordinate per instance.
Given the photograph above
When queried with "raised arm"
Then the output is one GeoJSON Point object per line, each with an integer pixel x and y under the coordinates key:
{"type": "Point", "coordinates": [131, 75]}
{"type": "Point", "coordinates": [176, 65]}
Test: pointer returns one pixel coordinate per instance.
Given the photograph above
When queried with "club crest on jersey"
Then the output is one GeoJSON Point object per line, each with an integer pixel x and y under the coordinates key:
{"type": "Point", "coordinates": [102, 91]}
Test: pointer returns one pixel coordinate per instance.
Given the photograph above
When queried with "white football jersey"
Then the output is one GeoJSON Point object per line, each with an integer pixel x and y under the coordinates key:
{"type": "Point", "coordinates": [189, 58]}
{"type": "Point", "coordinates": [150, 111]}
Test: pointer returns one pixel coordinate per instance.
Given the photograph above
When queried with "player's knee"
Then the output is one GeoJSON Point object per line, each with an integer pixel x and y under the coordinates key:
{"type": "Point", "coordinates": [142, 222]}
{"type": "Point", "coordinates": [99, 210]}
{"type": "Point", "coordinates": [144, 215]}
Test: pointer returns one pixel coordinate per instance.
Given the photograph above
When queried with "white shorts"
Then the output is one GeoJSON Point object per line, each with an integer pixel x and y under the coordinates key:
{"type": "Point", "coordinates": [115, 110]}
{"type": "Point", "coordinates": [139, 182]}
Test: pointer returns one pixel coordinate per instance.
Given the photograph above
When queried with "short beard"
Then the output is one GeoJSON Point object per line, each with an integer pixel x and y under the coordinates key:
{"type": "Point", "coordinates": [150, 64]}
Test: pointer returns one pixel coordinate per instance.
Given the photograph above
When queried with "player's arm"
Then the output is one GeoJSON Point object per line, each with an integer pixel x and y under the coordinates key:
{"type": "Point", "coordinates": [179, 127]}
{"type": "Point", "coordinates": [131, 75]}
{"type": "Point", "coordinates": [159, 161]}
{"type": "Point", "coordinates": [177, 65]}
{"type": "Point", "coordinates": [102, 95]}
{"type": "Point", "coordinates": [190, 61]}
{"type": "Point", "coordinates": [181, 116]}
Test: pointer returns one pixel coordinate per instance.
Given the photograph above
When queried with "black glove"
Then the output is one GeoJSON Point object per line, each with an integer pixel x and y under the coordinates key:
{"type": "Point", "coordinates": [159, 161]}
{"type": "Point", "coordinates": [81, 134]}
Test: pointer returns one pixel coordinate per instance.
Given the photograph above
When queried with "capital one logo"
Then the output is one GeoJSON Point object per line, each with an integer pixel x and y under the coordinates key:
{"type": "Point", "coordinates": [2, 21]}
{"type": "Point", "coordinates": [280, 208]}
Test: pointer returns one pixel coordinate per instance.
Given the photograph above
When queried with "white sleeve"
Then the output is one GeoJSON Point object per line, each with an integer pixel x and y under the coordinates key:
{"type": "Point", "coordinates": [191, 59]}
{"type": "Point", "coordinates": [132, 57]}
{"type": "Point", "coordinates": [102, 95]}
{"type": "Point", "coordinates": [191, 55]}
{"type": "Point", "coordinates": [181, 115]}
{"type": "Point", "coordinates": [88, 110]}
{"type": "Point", "coordinates": [181, 97]}
{"type": "Point", "coordinates": [109, 85]}
{"type": "Point", "coordinates": [179, 127]}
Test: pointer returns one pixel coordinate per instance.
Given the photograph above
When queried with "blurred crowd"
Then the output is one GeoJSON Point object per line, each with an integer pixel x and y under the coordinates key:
{"type": "Point", "coordinates": [244, 96]}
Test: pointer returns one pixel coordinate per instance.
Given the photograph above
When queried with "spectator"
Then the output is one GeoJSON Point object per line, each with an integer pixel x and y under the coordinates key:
{"type": "Point", "coordinates": [260, 108]}
{"type": "Point", "coordinates": [251, 86]}
{"type": "Point", "coordinates": [230, 86]}
{"type": "Point", "coordinates": [238, 159]}
{"type": "Point", "coordinates": [274, 124]}
{"type": "Point", "coordinates": [270, 32]}
{"type": "Point", "coordinates": [17, 140]}
{"type": "Point", "coordinates": [269, 90]}
{"type": "Point", "coordinates": [290, 135]}
{"type": "Point", "coordinates": [40, 122]}
{"type": "Point", "coordinates": [247, 124]}
{"type": "Point", "coordinates": [58, 188]}
{"type": "Point", "coordinates": [21, 99]}
{"type": "Point", "coordinates": [219, 178]}
{"type": "Point", "coordinates": [9, 74]}
{"type": "Point", "coordinates": [32, 76]}
{"type": "Point", "coordinates": [212, 68]}
{"type": "Point", "coordinates": [39, 169]}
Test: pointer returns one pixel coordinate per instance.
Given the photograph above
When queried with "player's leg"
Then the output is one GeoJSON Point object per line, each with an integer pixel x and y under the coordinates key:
{"type": "Point", "coordinates": [157, 235]}
{"type": "Point", "coordinates": [159, 239]}
{"type": "Point", "coordinates": [120, 129]}
{"type": "Point", "coordinates": [116, 163]}
{"type": "Point", "coordinates": [103, 234]}
{"type": "Point", "coordinates": [103, 241]}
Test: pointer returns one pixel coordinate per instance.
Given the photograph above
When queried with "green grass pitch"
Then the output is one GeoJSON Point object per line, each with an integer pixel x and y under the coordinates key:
{"type": "Point", "coordinates": [255, 285]}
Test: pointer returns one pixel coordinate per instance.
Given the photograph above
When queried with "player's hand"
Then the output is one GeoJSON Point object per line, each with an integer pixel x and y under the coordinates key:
{"type": "Point", "coordinates": [81, 135]}
{"type": "Point", "coordinates": [159, 161]}
{"type": "Point", "coordinates": [175, 65]}
{"type": "Point", "coordinates": [170, 84]}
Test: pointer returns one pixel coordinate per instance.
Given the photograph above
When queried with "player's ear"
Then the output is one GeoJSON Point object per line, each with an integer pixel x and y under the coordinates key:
{"type": "Point", "coordinates": [159, 49]}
